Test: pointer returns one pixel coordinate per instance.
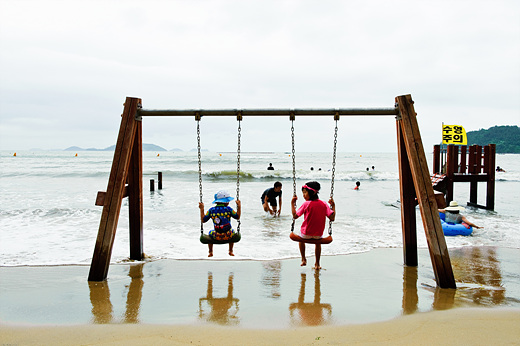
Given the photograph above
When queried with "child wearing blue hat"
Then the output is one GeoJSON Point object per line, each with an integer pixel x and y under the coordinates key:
{"type": "Point", "coordinates": [221, 215]}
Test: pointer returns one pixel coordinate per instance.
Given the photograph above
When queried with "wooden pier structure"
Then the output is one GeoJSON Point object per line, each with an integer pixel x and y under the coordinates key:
{"type": "Point", "coordinates": [471, 164]}
{"type": "Point", "coordinates": [126, 180]}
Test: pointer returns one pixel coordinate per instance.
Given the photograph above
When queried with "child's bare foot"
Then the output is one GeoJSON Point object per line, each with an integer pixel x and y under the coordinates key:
{"type": "Point", "coordinates": [210, 254]}
{"type": "Point", "coordinates": [317, 267]}
{"type": "Point", "coordinates": [304, 262]}
{"type": "Point", "coordinates": [231, 253]}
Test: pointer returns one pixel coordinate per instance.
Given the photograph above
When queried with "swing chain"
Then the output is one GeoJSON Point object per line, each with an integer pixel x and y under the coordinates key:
{"type": "Point", "coordinates": [239, 118]}
{"type": "Point", "coordinates": [333, 169]}
{"type": "Point", "coordinates": [293, 159]}
{"type": "Point", "coordinates": [200, 170]}
{"type": "Point", "coordinates": [293, 165]}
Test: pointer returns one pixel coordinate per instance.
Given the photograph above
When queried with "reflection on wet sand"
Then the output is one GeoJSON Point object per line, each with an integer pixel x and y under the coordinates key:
{"type": "Point", "coordinates": [272, 278]}
{"type": "Point", "coordinates": [219, 308]}
{"type": "Point", "coordinates": [486, 277]}
{"type": "Point", "coordinates": [135, 293]}
{"type": "Point", "coordinates": [410, 294]}
{"type": "Point", "coordinates": [479, 266]}
{"type": "Point", "coordinates": [102, 309]}
{"type": "Point", "coordinates": [479, 281]}
{"type": "Point", "coordinates": [310, 314]}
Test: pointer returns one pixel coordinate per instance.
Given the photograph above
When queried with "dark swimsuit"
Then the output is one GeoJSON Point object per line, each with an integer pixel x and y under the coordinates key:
{"type": "Point", "coordinates": [221, 216]}
{"type": "Point", "coordinates": [271, 196]}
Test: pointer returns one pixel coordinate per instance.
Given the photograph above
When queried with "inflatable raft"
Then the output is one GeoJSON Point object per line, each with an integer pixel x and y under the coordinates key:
{"type": "Point", "coordinates": [452, 229]}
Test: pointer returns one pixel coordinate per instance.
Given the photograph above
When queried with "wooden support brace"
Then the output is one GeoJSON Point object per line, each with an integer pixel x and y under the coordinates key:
{"type": "Point", "coordinates": [428, 206]}
{"type": "Point", "coordinates": [115, 191]}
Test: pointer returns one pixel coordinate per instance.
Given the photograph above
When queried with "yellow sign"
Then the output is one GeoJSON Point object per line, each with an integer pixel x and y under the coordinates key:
{"type": "Point", "coordinates": [454, 134]}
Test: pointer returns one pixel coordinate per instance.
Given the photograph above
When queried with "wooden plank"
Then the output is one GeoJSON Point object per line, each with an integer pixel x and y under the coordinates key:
{"type": "Point", "coordinates": [476, 205]}
{"type": "Point", "coordinates": [135, 197]}
{"type": "Point", "coordinates": [436, 159]}
{"type": "Point", "coordinates": [114, 194]}
{"type": "Point", "coordinates": [478, 159]}
{"type": "Point", "coordinates": [439, 198]}
{"type": "Point", "coordinates": [100, 198]}
{"type": "Point", "coordinates": [486, 167]}
{"type": "Point", "coordinates": [450, 171]}
{"type": "Point", "coordinates": [490, 193]}
{"type": "Point", "coordinates": [463, 163]}
{"type": "Point", "coordinates": [407, 195]}
{"type": "Point", "coordinates": [473, 191]}
{"type": "Point", "coordinates": [451, 160]}
{"type": "Point", "coordinates": [467, 178]}
{"type": "Point", "coordinates": [428, 206]}
{"type": "Point", "coordinates": [471, 160]}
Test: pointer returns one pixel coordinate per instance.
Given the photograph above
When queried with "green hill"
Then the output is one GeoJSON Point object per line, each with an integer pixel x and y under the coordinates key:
{"type": "Point", "coordinates": [507, 138]}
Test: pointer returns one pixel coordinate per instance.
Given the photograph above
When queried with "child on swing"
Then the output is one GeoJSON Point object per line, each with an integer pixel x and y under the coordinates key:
{"type": "Point", "coordinates": [221, 215]}
{"type": "Point", "coordinates": [315, 212]}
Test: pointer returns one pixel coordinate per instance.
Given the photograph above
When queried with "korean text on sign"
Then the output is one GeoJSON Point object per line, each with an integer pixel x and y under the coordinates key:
{"type": "Point", "coordinates": [454, 134]}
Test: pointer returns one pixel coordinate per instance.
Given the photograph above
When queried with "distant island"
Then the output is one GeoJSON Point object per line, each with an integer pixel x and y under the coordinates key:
{"type": "Point", "coordinates": [146, 147]}
{"type": "Point", "coordinates": [507, 138]}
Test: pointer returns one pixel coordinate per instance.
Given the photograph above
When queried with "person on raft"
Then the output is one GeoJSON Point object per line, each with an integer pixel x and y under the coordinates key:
{"type": "Point", "coordinates": [454, 216]}
{"type": "Point", "coordinates": [315, 212]}
{"type": "Point", "coordinates": [269, 199]}
{"type": "Point", "coordinates": [221, 215]}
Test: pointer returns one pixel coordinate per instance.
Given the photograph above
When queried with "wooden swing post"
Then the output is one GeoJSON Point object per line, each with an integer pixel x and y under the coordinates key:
{"type": "Point", "coordinates": [414, 165]}
{"type": "Point", "coordinates": [407, 198]}
{"type": "Point", "coordinates": [126, 167]}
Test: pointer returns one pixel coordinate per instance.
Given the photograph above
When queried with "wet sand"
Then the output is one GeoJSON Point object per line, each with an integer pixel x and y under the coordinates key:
{"type": "Point", "coordinates": [358, 298]}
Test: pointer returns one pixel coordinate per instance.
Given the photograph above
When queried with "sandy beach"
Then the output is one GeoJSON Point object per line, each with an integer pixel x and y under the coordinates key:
{"type": "Point", "coordinates": [452, 327]}
{"type": "Point", "coordinates": [360, 298]}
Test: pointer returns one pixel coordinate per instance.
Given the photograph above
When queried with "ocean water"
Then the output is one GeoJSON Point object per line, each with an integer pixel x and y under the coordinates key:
{"type": "Point", "coordinates": [48, 216]}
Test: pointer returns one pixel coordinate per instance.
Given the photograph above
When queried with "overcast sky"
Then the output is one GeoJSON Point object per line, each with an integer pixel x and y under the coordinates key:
{"type": "Point", "coordinates": [67, 66]}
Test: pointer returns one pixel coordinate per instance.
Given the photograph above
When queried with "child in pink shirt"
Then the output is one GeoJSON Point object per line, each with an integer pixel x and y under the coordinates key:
{"type": "Point", "coordinates": [315, 212]}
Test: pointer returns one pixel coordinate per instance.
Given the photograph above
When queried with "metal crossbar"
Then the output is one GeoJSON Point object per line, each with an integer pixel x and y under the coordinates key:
{"type": "Point", "coordinates": [271, 112]}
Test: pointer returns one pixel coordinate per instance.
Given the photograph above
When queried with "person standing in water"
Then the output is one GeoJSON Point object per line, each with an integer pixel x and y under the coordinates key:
{"type": "Point", "coordinates": [269, 199]}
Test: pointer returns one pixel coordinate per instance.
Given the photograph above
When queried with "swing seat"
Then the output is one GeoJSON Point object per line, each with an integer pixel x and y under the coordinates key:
{"type": "Point", "coordinates": [326, 240]}
{"type": "Point", "coordinates": [206, 239]}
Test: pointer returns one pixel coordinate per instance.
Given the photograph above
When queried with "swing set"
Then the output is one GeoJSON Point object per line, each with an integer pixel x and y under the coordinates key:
{"type": "Point", "coordinates": [206, 239]}
{"type": "Point", "coordinates": [415, 185]}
